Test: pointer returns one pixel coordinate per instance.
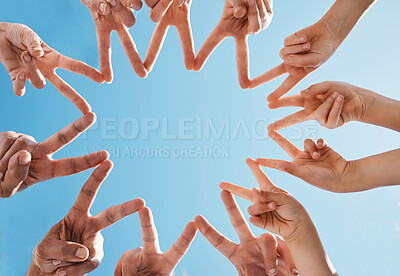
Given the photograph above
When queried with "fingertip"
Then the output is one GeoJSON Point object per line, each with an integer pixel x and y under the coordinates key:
{"type": "Point", "coordinates": [316, 155]}
{"type": "Point", "coordinates": [240, 12]}
{"type": "Point", "coordinates": [141, 203]}
{"type": "Point", "coordinates": [24, 158]}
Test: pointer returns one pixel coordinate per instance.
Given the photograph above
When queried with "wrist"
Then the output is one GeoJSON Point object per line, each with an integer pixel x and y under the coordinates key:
{"type": "Point", "coordinates": [34, 270]}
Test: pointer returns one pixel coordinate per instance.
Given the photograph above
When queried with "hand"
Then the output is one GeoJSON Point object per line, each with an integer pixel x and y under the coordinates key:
{"type": "Point", "coordinates": [318, 164]}
{"type": "Point", "coordinates": [178, 15]}
{"type": "Point", "coordinates": [149, 260]}
{"type": "Point", "coordinates": [25, 162]}
{"type": "Point", "coordinates": [115, 15]}
{"type": "Point", "coordinates": [264, 255]}
{"type": "Point", "coordinates": [238, 24]}
{"type": "Point", "coordinates": [332, 104]}
{"type": "Point", "coordinates": [74, 246]}
{"type": "Point", "coordinates": [26, 57]}
{"type": "Point", "coordinates": [304, 52]}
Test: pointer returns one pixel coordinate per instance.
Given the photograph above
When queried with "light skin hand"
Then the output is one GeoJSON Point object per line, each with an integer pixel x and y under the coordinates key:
{"type": "Point", "coordinates": [178, 15]}
{"type": "Point", "coordinates": [277, 211]}
{"type": "Point", "coordinates": [74, 246]}
{"type": "Point", "coordinates": [26, 57]}
{"type": "Point", "coordinates": [307, 49]}
{"type": "Point", "coordinates": [149, 259]}
{"type": "Point", "coordinates": [25, 162]}
{"type": "Point", "coordinates": [263, 255]}
{"type": "Point", "coordinates": [115, 15]}
{"type": "Point", "coordinates": [234, 22]}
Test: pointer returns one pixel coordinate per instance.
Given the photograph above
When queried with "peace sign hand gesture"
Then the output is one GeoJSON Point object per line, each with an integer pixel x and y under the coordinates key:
{"type": "Point", "coordinates": [26, 57]}
{"type": "Point", "coordinates": [178, 15]}
{"type": "Point", "coordinates": [74, 246]}
{"type": "Point", "coordinates": [25, 162]}
{"type": "Point", "coordinates": [115, 15]}
{"type": "Point", "coordinates": [264, 255]}
{"type": "Point", "coordinates": [238, 23]}
{"type": "Point", "coordinates": [149, 260]}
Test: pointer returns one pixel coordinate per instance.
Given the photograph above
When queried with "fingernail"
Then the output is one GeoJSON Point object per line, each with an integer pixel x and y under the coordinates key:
{"type": "Point", "coordinates": [103, 8]}
{"type": "Point", "coordinates": [315, 154]}
{"type": "Point", "coordinates": [305, 46]}
{"type": "Point", "coordinates": [81, 253]}
{"type": "Point", "coordinates": [27, 58]}
{"type": "Point", "coordinates": [272, 271]}
{"type": "Point", "coordinates": [113, 3]}
{"type": "Point", "coordinates": [302, 39]}
{"type": "Point", "coordinates": [271, 205]}
{"type": "Point", "coordinates": [339, 99]}
{"type": "Point", "coordinates": [306, 91]}
{"type": "Point", "coordinates": [334, 95]}
{"type": "Point", "coordinates": [295, 272]}
{"type": "Point", "coordinates": [37, 49]}
{"type": "Point", "coordinates": [22, 76]}
{"type": "Point", "coordinates": [56, 262]}
{"type": "Point", "coordinates": [62, 273]}
{"type": "Point", "coordinates": [289, 60]}
{"type": "Point", "coordinates": [23, 160]}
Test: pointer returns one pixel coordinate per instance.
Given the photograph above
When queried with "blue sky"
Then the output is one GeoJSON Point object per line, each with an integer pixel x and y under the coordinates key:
{"type": "Point", "coordinates": [361, 232]}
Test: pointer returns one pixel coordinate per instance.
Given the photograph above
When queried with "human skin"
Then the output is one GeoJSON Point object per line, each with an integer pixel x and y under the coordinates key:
{"type": "Point", "coordinates": [263, 255]}
{"type": "Point", "coordinates": [149, 260]}
{"type": "Point", "coordinates": [25, 162]}
{"type": "Point", "coordinates": [277, 211]}
{"type": "Point", "coordinates": [239, 19]}
{"type": "Point", "coordinates": [74, 246]}
{"type": "Point", "coordinates": [307, 49]}
{"type": "Point", "coordinates": [322, 167]}
{"type": "Point", "coordinates": [26, 57]}
{"type": "Point", "coordinates": [115, 15]}
{"type": "Point", "coordinates": [178, 15]}
{"type": "Point", "coordinates": [334, 104]}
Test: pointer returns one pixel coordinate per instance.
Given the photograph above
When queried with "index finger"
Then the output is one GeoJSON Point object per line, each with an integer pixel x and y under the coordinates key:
{"type": "Point", "coordinates": [242, 59]}
{"type": "Point", "coordinates": [68, 134]}
{"type": "Point", "coordinates": [288, 84]}
{"type": "Point", "coordinates": [186, 37]}
{"type": "Point", "coordinates": [236, 216]}
{"type": "Point", "coordinates": [263, 180]}
{"type": "Point", "coordinates": [238, 190]}
{"type": "Point", "coordinates": [104, 44]}
{"type": "Point", "coordinates": [81, 68]}
{"type": "Point", "coordinates": [268, 76]}
{"type": "Point", "coordinates": [149, 232]}
{"type": "Point", "coordinates": [285, 144]}
{"type": "Point", "coordinates": [181, 246]}
{"type": "Point", "coordinates": [89, 191]}
{"type": "Point", "coordinates": [212, 42]}
{"type": "Point", "coordinates": [294, 39]}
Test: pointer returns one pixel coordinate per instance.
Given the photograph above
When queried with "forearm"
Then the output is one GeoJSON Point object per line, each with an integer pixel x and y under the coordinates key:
{"type": "Point", "coordinates": [344, 15]}
{"type": "Point", "coordinates": [34, 271]}
{"type": "Point", "coordinates": [380, 110]}
{"type": "Point", "coordinates": [373, 172]}
{"type": "Point", "coordinates": [309, 254]}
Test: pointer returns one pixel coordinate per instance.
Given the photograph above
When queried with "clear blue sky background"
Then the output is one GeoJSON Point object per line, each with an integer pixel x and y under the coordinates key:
{"type": "Point", "coordinates": [361, 232]}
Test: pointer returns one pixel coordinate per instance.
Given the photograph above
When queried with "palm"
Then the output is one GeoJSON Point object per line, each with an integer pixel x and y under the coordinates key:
{"type": "Point", "coordinates": [145, 264]}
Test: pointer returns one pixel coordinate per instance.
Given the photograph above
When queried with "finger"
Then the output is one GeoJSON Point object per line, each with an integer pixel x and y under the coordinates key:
{"type": "Point", "coordinates": [115, 213]}
{"type": "Point", "coordinates": [68, 134]}
{"type": "Point", "coordinates": [237, 190]}
{"type": "Point", "coordinates": [30, 40]}
{"type": "Point", "coordinates": [253, 17]}
{"type": "Point", "coordinates": [268, 76]}
{"type": "Point", "coordinates": [292, 119]}
{"type": "Point", "coordinates": [135, 4]}
{"type": "Point", "coordinates": [19, 83]}
{"type": "Point", "coordinates": [321, 143]}
{"type": "Point", "coordinates": [89, 191]}
{"type": "Point", "coordinates": [285, 144]}
{"type": "Point", "coordinates": [99, 6]}
{"type": "Point", "coordinates": [242, 58]}
{"type": "Point", "coordinates": [181, 246]}
{"type": "Point", "coordinates": [16, 173]}
{"type": "Point", "coordinates": [158, 11]}
{"type": "Point", "coordinates": [261, 208]}
{"type": "Point", "coordinates": [132, 53]}
{"type": "Point", "coordinates": [123, 13]}
{"type": "Point", "coordinates": [322, 112]}
{"type": "Point", "coordinates": [34, 74]}
{"type": "Point", "coordinates": [288, 84]}
{"type": "Point", "coordinates": [80, 268]}
{"type": "Point", "coordinates": [284, 252]}
{"type": "Point", "coordinates": [22, 143]}
{"type": "Point", "coordinates": [283, 166]}
{"type": "Point", "coordinates": [239, 8]}
{"type": "Point", "coordinates": [311, 148]}
{"type": "Point", "coordinates": [268, 246]}
{"type": "Point", "coordinates": [295, 100]}
{"type": "Point", "coordinates": [8, 138]}
{"type": "Point", "coordinates": [237, 219]}
{"type": "Point", "coordinates": [156, 43]}
{"type": "Point", "coordinates": [130, 268]}
{"type": "Point", "coordinates": [294, 49]}
{"type": "Point", "coordinates": [64, 251]}
{"type": "Point", "coordinates": [104, 44]}
{"type": "Point", "coordinates": [319, 88]}
{"type": "Point", "coordinates": [262, 179]}
{"type": "Point", "coordinates": [81, 68]}
{"type": "Point", "coordinates": [221, 243]}
{"type": "Point", "coordinates": [295, 38]}
{"type": "Point", "coordinates": [149, 232]}
{"type": "Point", "coordinates": [67, 91]}
{"type": "Point", "coordinates": [334, 114]}
{"type": "Point", "coordinates": [212, 42]}
{"type": "Point", "coordinates": [262, 10]}
{"type": "Point", "coordinates": [70, 166]}
{"type": "Point", "coordinates": [186, 38]}
{"type": "Point", "coordinates": [307, 60]}
{"type": "Point", "coordinates": [266, 197]}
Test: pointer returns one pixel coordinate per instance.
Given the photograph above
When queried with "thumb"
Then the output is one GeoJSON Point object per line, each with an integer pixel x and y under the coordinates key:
{"type": "Point", "coordinates": [18, 168]}
{"type": "Point", "coordinates": [31, 41]}
{"type": "Point", "coordinates": [52, 249]}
